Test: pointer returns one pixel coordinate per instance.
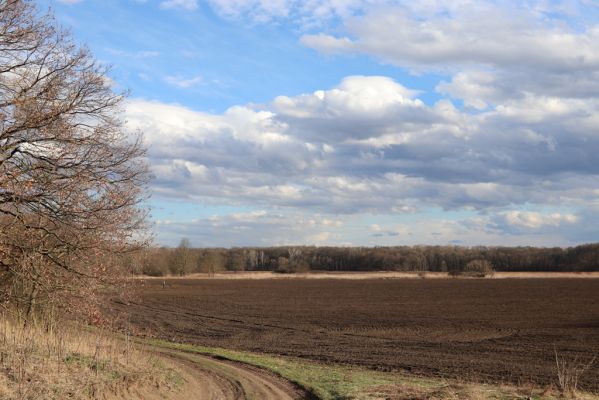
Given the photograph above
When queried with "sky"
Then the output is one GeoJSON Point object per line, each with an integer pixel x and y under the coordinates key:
{"type": "Point", "coordinates": [358, 122]}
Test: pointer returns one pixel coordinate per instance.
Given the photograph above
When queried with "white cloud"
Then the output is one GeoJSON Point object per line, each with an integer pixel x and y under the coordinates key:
{"type": "Point", "coordinates": [293, 227]}
{"type": "Point", "coordinates": [536, 220]}
{"type": "Point", "coordinates": [475, 87]}
{"type": "Point", "coordinates": [320, 237]}
{"type": "Point", "coordinates": [514, 133]}
{"type": "Point", "coordinates": [329, 44]}
{"type": "Point", "coordinates": [496, 51]}
{"type": "Point", "coordinates": [375, 228]}
{"type": "Point", "coordinates": [162, 123]}
{"type": "Point", "coordinates": [482, 34]}
{"type": "Point", "coordinates": [188, 5]}
{"type": "Point", "coordinates": [362, 95]}
{"type": "Point", "coordinates": [307, 12]}
{"type": "Point", "coordinates": [369, 145]}
{"type": "Point", "coordinates": [183, 83]}
{"type": "Point", "coordinates": [252, 228]}
{"type": "Point", "coordinates": [135, 54]}
{"type": "Point", "coordinates": [311, 13]}
{"type": "Point", "coordinates": [258, 9]}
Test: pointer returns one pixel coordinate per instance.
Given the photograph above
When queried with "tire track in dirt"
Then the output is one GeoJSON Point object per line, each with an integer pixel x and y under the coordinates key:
{"type": "Point", "coordinates": [208, 378]}
{"type": "Point", "coordinates": [257, 324]}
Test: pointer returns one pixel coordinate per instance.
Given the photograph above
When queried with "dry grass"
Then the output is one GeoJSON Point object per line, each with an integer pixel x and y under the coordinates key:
{"type": "Point", "coordinates": [368, 275]}
{"type": "Point", "coordinates": [569, 372]}
{"type": "Point", "coordinates": [44, 361]}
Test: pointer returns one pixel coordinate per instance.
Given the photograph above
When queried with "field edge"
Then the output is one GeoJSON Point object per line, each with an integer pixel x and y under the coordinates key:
{"type": "Point", "coordinates": [340, 382]}
{"type": "Point", "coordinates": [363, 275]}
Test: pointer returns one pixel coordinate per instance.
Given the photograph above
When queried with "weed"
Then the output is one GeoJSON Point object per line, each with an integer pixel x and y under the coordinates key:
{"type": "Point", "coordinates": [570, 371]}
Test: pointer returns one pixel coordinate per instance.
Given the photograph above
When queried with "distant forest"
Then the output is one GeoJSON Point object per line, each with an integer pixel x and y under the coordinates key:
{"type": "Point", "coordinates": [184, 259]}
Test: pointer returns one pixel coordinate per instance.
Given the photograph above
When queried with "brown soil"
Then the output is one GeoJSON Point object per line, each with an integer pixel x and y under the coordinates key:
{"type": "Point", "coordinates": [504, 330]}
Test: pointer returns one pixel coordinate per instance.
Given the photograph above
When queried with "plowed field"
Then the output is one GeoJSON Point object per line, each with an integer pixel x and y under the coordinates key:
{"type": "Point", "coordinates": [480, 330]}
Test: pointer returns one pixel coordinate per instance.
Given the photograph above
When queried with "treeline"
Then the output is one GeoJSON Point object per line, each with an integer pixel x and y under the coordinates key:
{"type": "Point", "coordinates": [184, 259]}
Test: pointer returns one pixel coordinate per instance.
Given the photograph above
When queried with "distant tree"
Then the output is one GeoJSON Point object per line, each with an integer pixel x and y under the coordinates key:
{"type": "Point", "coordinates": [71, 179]}
{"type": "Point", "coordinates": [452, 259]}
{"type": "Point", "coordinates": [299, 265]}
{"type": "Point", "coordinates": [282, 265]}
{"type": "Point", "coordinates": [182, 260]}
{"type": "Point", "coordinates": [236, 260]}
{"type": "Point", "coordinates": [296, 261]}
{"type": "Point", "coordinates": [210, 261]}
{"type": "Point", "coordinates": [443, 266]}
{"type": "Point", "coordinates": [155, 262]}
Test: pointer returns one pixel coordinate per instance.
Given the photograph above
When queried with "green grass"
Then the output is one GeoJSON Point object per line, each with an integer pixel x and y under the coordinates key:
{"type": "Point", "coordinates": [325, 381]}
{"type": "Point", "coordinates": [87, 361]}
{"type": "Point", "coordinates": [338, 382]}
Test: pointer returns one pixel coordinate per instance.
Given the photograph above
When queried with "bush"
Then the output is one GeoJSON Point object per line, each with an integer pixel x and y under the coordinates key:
{"type": "Point", "coordinates": [284, 266]}
{"type": "Point", "coordinates": [479, 268]}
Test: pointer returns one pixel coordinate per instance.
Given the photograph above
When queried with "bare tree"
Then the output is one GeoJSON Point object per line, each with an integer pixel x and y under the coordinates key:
{"type": "Point", "coordinates": [71, 180]}
{"type": "Point", "coordinates": [182, 259]}
{"type": "Point", "coordinates": [211, 261]}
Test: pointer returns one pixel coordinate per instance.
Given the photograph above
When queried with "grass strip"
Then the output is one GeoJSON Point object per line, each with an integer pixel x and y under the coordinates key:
{"type": "Point", "coordinates": [339, 382]}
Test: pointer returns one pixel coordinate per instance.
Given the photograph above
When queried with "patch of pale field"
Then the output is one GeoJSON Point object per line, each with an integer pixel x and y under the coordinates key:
{"type": "Point", "coordinates": [375, 275]}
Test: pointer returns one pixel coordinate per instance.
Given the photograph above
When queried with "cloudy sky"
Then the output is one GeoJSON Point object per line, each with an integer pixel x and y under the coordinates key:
{"type": "Point", "coordinates": [359, 122]}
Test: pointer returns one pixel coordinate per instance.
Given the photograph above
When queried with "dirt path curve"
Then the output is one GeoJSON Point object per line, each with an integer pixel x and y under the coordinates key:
{"type": "Point", "coordinates": [208, 378]}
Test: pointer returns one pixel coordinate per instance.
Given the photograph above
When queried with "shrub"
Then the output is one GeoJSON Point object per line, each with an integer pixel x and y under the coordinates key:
{"type": "Point", "coordinates": [479, 268]}
{"type": "Point", "coordinates": [569, 372]}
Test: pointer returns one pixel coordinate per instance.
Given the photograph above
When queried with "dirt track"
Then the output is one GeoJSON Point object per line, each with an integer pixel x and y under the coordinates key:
{"type": "Point", "coordinates": [499, 330]}
{"type": "Point", "coordinates": [207, 378]}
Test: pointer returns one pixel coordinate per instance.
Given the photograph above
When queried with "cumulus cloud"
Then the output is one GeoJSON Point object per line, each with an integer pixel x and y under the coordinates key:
{"type": "Point", "coordinates": [369, 145]}
{"type": "Point", "coordinates": [536, 220]}
{"type": "Point", "coordinates": [363, 95]}
{"type": "Point", "coordinates": [523, 139]}
{"type": "Point", "coordinates": [483, 34]}
{"type": "Point", "coordinates": [476, 88]}
{"type": "Point", "coordinates": [512, 136]}
{"type": "Point", "coordinates": [494, 51]}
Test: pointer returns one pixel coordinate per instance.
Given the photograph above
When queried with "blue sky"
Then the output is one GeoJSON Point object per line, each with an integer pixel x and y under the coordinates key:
{"type": "Point", "coordinates": [358, 122]}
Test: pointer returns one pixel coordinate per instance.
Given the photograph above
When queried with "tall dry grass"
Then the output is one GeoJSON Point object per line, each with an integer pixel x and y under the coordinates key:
{"type": "Point", "coordinates": [569, 372]}
{"type": "Point", "coordinates": [42, 360]}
